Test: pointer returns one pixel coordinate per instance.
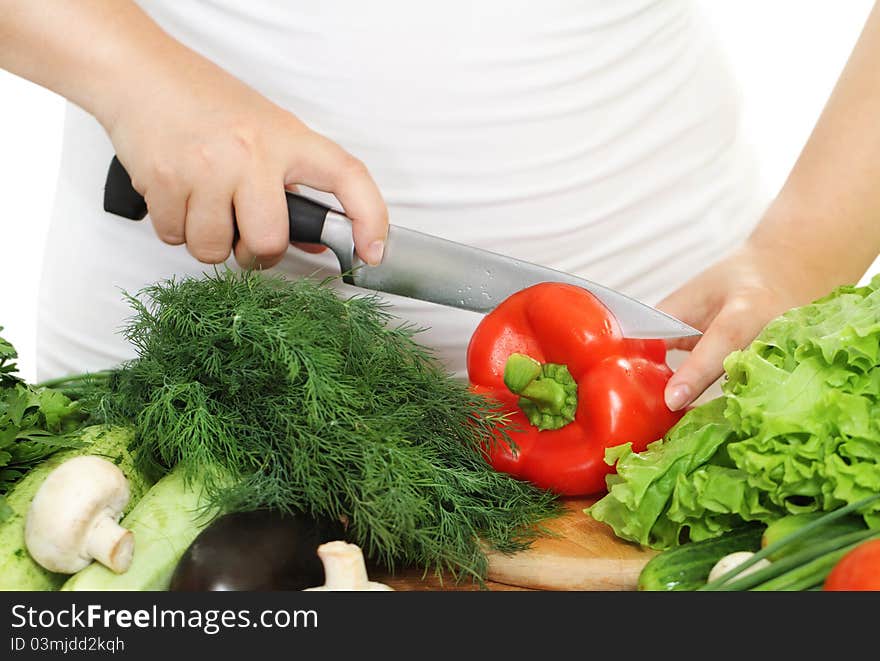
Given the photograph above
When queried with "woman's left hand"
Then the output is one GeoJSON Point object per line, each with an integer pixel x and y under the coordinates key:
{"type": "Point", "coordinates": [731, 302]}
{"type": "Point", "coordinates": [821, 231]}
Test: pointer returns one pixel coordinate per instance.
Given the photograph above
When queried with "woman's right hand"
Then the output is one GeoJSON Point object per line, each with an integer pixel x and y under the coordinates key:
{"type": "Point", "coordinates": [203, 149]}
{"type": "Point", "coordinates": [200, 145]}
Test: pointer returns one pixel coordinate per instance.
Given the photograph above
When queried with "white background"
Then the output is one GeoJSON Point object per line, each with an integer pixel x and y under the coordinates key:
{"type": "Point", "coordinates": [786, 55]}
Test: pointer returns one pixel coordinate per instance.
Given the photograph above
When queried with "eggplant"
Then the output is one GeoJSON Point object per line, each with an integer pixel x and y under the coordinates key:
{"type": "Point", "coordinates": [262, 550]}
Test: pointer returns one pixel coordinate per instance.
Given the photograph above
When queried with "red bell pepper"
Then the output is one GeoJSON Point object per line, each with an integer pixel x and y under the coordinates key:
{"type": "Point", "coordinates": [554, 358]}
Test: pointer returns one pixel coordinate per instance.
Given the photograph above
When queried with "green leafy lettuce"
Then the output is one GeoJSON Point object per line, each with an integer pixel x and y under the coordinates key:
{"type": "Point", "coordinates": [796, 430]}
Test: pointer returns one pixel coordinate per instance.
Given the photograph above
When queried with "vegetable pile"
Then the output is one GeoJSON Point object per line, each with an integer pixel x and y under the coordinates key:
{"type": "Point", "coordinates": [282, 395]}
{"type": "Point", "coordinates": [796, 431]}
{"type": "Point", "coordinates": [274, 417]}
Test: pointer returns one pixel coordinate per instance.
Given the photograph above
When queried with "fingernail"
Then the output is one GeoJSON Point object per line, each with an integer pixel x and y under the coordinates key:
{"type": "Point", "coordinates": [678, 397]}
{"type": "Point", "coordinates": [375, 252]}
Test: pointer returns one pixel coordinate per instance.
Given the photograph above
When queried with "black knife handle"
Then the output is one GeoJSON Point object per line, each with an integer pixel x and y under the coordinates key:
{"type": "Point", "coordinates": [119, 196]}
{"type": "Point", "coordinates": [305, 216]}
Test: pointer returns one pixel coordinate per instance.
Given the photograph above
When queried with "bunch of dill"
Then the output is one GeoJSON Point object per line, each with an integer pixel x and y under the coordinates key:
{"type": "Point", "coordinates": [317, 403]}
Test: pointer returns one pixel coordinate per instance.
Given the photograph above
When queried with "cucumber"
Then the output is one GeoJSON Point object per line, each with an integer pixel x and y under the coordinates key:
{"type": "Point", "coordinates": [687, 567]}
{"type": "Point", "coordinates": [18, 571]}
{"type": "Point", "coordinates": [786, 525]}
{"type": "Point", "coordinates": [165, 522]}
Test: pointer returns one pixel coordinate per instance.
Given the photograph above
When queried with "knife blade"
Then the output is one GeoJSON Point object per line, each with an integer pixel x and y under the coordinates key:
{"type": "Point", "coordinates": [425, 267]}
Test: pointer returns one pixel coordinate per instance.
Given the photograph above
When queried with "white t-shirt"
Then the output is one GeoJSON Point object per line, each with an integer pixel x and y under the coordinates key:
{"type": "Point", "coordinates": [600, 138]}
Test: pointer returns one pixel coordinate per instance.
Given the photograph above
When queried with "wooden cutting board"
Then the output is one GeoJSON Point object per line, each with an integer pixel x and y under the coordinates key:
{"type": "Point", "coordinates": [584, 555]}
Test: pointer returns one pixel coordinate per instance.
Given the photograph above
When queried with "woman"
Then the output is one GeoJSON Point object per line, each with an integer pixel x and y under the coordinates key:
{"type": "Point", "coordinates": [593, 137]}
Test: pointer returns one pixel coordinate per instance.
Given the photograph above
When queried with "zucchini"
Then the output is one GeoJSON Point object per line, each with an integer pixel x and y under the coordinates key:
{"type": "Point", "coordinates": [786, 525]}
{"type": "Point", "coordinates": [165, 522]}
{"type": "Point", "coordinates": [18, 571]}
{"type": "Point", "coordinates": [687, 567]}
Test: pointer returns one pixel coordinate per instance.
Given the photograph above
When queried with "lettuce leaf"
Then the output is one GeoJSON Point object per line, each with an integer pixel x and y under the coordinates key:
{"type": "Point", "coordinates": [796, 430]}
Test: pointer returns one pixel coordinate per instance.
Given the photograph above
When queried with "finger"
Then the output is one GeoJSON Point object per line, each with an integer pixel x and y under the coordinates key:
{"type": "Point", "coordinates": [732, 329]}
{"type": "Point", "coordinates": [261, 216]}
{"type": "Point", "coordinates": [167, 207]}
{"type": "Point", "coordinates": [325, 166]}
{"type": "Point", "coordinates": [209, 224]}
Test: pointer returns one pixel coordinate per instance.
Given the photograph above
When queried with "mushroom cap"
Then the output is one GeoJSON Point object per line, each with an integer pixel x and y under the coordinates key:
{"type": "Point", "coordinates": [72, 500]}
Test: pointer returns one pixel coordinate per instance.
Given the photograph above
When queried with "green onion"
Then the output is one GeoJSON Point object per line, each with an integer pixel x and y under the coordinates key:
{"type": "Point", "coordinates": [810, 575]}
{"type": "Point", "coordinates": [796, 561]}
{"type": "Point", "coordinates": [781, 565]}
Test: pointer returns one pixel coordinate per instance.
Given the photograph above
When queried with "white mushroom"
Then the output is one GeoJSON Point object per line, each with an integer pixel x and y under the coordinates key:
{"type": "Point", "coordinates": [344, 568]}
{"type": "Point", "coordinates": [74, 516]}
{"type": "Point", "coordinates": [732, 560]}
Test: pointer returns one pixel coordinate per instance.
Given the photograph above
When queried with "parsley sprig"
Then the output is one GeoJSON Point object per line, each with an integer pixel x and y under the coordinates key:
{"type": "Point", "coordinates": [35, 422]}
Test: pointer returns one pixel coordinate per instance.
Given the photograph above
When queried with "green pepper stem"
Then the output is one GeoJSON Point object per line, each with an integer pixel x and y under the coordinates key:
{"type": "Point", "coordinates": [548, 393]}
{"type": "Point", "coordinates": [519, 371]}
{"type": "Point", "coordinates": [521, 374]}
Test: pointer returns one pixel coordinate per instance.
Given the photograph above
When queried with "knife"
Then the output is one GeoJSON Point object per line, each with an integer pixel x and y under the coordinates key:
{"type": "Point", "coordinates": [425, 267]}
